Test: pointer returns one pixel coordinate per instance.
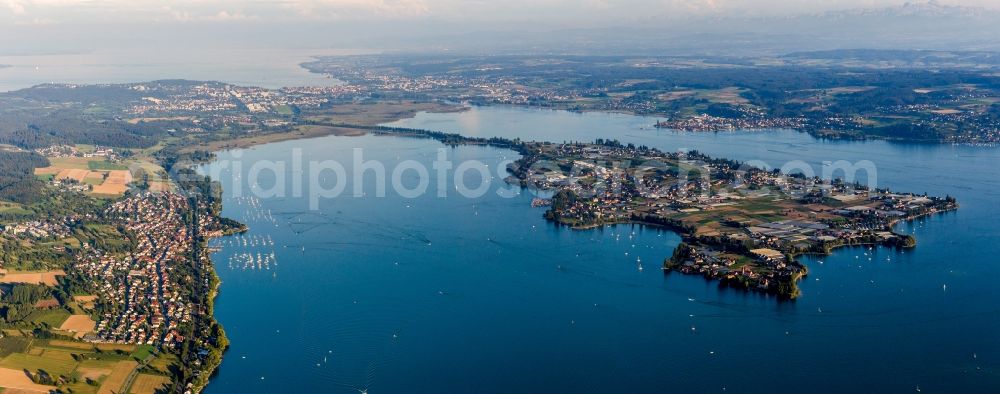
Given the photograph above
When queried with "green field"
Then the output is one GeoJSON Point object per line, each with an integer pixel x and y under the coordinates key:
{"type": "Point", "coordinates": [53, 365]}
{"type": "Point", "coordinates": [10, 345]}
{"type": "Point", "coordinates": [56, 357]}
{"type": "Point", "coordinates": [103, 165]}
{"type": "Point", "coordinates": [95, 110]}
{"type": "Point", "coordinates": [757, 205]}
{"type": "Point", "coordinates": [13, 208]}
{"type": "Point", "coordinates": [147, 383]}
{"type": "Point", "coordinates": [163, 361]}
{"type": "Point", "coordinates": [53, 317]}
{"type": "Point", "coordinates": [142, 352]}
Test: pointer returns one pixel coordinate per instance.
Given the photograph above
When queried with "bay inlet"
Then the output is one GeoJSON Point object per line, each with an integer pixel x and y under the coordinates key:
{"type": "Point", "coordinates": [433, 294]}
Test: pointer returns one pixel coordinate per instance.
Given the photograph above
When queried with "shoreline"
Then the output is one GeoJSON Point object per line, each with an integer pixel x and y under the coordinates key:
{"type": "Point", "coordinates": [795, 292]}
{"type": "Point", "coordinates": [315, 127]}
{"type": "Point", "coordinates": [209, 370]}
{"type": "Point", "coordinates": [828, 135]}
{"type": "Point", "coordinates": [831, 248]}
{"type": "Point", "coordinates": [755, 243]}
{"type": "Point", "coordinates": [319, 129]}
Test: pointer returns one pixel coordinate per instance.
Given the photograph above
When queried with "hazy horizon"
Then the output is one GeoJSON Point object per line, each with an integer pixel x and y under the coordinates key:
{"type": "Point", "coordinates": [35, 27]}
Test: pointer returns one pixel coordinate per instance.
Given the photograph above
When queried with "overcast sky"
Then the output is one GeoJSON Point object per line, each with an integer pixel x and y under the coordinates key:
{"type": "Point", "coordinates": [557, 12]}
{"type": "Point", "coordinates": [29, 27]}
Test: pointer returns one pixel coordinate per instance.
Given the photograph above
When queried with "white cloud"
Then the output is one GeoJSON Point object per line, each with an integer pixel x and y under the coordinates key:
{"type": "Point", "coordinates": [16, 7]}
{"type": "Point", "coordinates": [358, 8]}
{"type": "Point", "coordinates": [225, 16]}
{"type": "Point", "coordinates": [220, 16]}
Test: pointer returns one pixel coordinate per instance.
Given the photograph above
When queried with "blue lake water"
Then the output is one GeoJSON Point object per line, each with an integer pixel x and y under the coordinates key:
{"type": "Point", "coordinates": [268, 68]}
{"type": "Point", "coordinates": [433, 294]}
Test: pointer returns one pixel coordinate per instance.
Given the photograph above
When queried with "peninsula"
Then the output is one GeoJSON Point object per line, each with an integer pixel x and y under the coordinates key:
{"type": "Point", "coordinates": [741, 225]}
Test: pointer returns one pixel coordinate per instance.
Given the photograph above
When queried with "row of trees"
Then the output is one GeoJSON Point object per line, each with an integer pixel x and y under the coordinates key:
{"type": "Point", "coordinates": [20, 301]}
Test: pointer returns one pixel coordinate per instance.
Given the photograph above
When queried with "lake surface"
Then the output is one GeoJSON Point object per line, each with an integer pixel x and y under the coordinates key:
{"type": "Point", "coordinates": [247, 67]}
{"type": "Point", "coordinates": [433, 294]}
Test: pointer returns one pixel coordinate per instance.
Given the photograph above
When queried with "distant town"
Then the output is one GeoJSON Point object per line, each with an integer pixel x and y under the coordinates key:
{"type": "Point", "coordinates": [828, 98]}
